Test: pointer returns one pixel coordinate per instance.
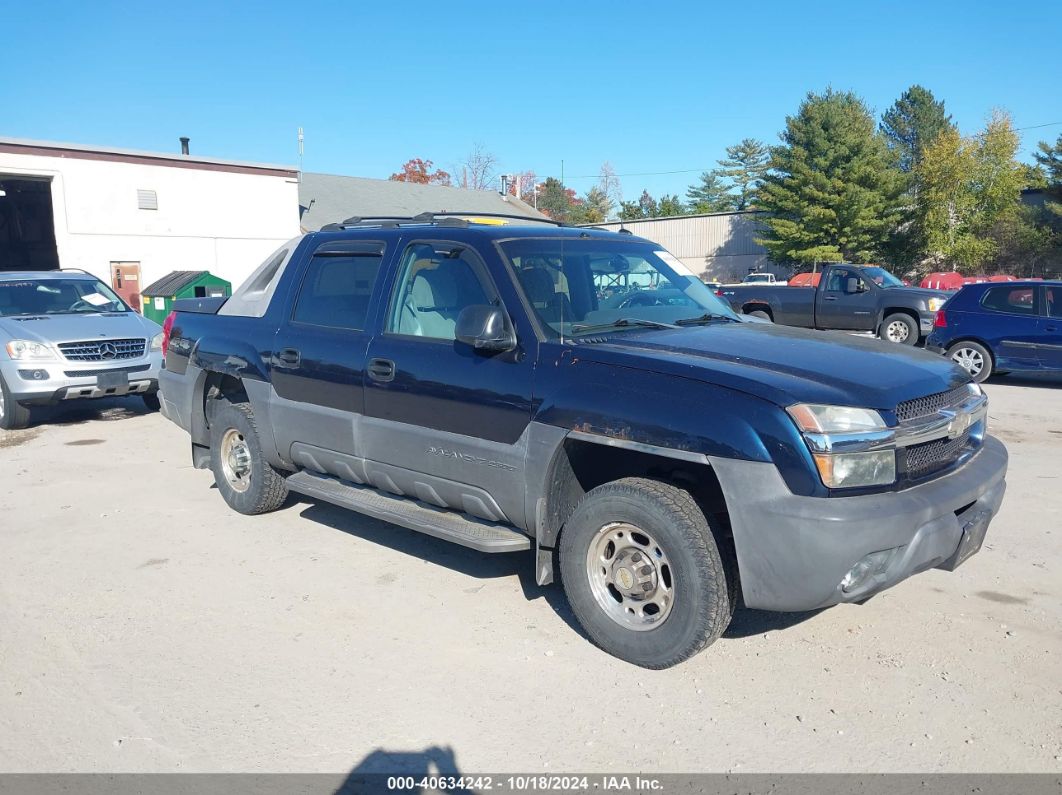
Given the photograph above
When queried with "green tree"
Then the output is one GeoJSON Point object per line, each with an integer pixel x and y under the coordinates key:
{"type": "Point", "coordinates": [829, 193]}
{"type": "Point", "coordinates": [630, 211]}
{"type": "Point", "coordinates": [1049, 161]}
{"type": "Point", "coordinates": [745, 165]}
{"type": "Point", "coordinates": [669, 206]}
{"type": "Point", "coordinates": [557, 201]}
{"type": "Point", "coordinates": [648, 206]}
{"type": "Point", "coordinates": [913, 122]}
{"type": "Point", "coordinates": [969, 202]}
{"type": "Point", "coordinates": [597, 206]}
{"type": "Point", "coordinates": [709, 195]}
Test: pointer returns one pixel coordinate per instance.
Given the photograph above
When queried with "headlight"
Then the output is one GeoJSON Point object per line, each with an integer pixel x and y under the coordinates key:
{"type": "Point", "coordinates": [23, 350]}
{"type": "Point", "coordinates": [852, 470]}
{"type": "Point", "coordinates": [815, 418]}
{"type": "Point", "coordinates": [156, 342]}
{"type": "Point", "coordinates": [838, 437]}
{"type": "Point", "coordinates": [936, 303]}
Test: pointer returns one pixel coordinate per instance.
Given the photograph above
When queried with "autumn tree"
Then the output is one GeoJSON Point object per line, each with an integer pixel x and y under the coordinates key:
{"type": "Point", "coordinates": [970, 197]}
{"type": "Point", "coordinates": [609, 184]}
{"type": "Point", "coordinates": [419, 171]}
{"type": "Point", "coordinates": [557, 201]}
{"type": "Point", "coordinates": [478, 171]}
{"type": "Point", "coordinates": [596, 206]}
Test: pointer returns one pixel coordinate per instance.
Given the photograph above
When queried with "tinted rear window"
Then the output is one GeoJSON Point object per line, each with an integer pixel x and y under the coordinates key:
{"type": "Point", "coordinates": [338, 286]}
{"type": "Point", "coordinates": [1016, 300]}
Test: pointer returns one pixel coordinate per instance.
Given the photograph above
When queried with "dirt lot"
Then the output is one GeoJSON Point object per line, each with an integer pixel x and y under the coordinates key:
{"type": "Point", "coordinates": [145, 627]}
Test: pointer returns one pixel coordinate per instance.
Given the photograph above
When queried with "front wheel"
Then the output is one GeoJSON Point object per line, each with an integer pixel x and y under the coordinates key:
{"type": "Point", "coordinates": [643, 573]}
{"type": "Point", "coordinates": [13, 415]}
{"type": "Point", "coordinates": [900, 328]}
{"type": "Point", "coordinates": [247, 482]}
{"type": "Point", "coordinates": [151, 401]}
{"type": "Point", "coordinates": [973, 357]}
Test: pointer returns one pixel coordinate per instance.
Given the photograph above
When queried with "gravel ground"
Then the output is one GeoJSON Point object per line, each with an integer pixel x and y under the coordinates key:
{"type": "Point", "coordinates": [145, 627]}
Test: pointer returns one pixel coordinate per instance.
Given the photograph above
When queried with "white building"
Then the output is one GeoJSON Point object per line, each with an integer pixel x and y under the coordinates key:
{"type": "Point", "coordinates": [131, 217]}
{"type": "Point", "coordinates": [718, 246]}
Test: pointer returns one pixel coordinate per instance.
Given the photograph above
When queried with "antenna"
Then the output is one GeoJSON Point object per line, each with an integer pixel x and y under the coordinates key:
{"type": "Point", "coordinates": [302, 139]}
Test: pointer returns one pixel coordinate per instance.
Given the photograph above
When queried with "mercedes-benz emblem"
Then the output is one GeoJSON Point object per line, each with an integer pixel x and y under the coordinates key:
{"type": "Point", "coordinates": [108, 350]}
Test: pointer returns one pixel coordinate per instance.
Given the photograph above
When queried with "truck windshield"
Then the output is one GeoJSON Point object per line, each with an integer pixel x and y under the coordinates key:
{"type": "Point", "coordinates": [881, 277]}
{"type": "Point", "coordinates": [581, 286]}
{"type": "Point", "coordinates": [57, 297]}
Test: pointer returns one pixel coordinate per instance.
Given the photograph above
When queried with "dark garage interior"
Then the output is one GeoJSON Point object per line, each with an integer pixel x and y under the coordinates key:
{"type": "Point", "coordinates": [27, 226]}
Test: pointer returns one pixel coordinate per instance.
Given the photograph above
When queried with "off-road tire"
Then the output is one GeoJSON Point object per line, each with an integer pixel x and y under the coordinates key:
{"type": "Point", "coordinates": [900, 317]}
{"type": "Point", "coordinates": [705, 590]}
{"type": "Point", "coordinates": [15, 416]}
{"type": "Point", "coordinates": [266, 489]}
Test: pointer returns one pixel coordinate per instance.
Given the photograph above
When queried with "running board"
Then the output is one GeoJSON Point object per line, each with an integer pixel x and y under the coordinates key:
{"type": "Point", "coordinates": [447, 525]}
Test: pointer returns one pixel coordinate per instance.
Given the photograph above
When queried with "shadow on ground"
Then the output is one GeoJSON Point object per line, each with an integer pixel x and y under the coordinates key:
{"type": "Point", "coordinates": [371, 774]}
{"type": "Point", "coordinates": [75, 412]}
{"type": "Point", "coordinates": [485, 566]}
{"type": "Point", "coordinates": [1041, 380]}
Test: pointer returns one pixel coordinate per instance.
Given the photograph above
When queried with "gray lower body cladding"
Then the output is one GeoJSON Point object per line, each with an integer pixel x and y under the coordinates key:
{"type": "Point", "coordinates": [793, 552]}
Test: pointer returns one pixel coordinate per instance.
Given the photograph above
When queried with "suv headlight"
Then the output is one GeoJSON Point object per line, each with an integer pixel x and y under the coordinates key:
{"type": "Point", "coordinates": [843, 441]}
{"type": "Point", "coordinates": [156, 342]}
{"type": "Point", "coordinates": [24, 350]}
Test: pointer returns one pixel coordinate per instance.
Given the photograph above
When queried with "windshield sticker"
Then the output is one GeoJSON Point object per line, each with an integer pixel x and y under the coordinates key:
{"type": "Point", "coordinates": [675, 264]}
{"type": "Point", "coordinates": [95, 299]}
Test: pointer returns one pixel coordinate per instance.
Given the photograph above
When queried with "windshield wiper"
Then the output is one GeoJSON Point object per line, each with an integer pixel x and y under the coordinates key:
{"type": "Point", "coordinates": [706, 318]}
{"type": "Point", "coordinates": [622, 322]}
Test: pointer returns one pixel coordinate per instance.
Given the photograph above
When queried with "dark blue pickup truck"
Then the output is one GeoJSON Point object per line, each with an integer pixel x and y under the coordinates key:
{"type": "Point", "coordinates": [581, 394]}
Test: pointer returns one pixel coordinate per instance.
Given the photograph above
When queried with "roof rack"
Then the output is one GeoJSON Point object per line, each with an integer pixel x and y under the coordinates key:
{"type": "Point", "coordinates": [449, 218]}
{"type": "Point", "coordinates": [75, 270]}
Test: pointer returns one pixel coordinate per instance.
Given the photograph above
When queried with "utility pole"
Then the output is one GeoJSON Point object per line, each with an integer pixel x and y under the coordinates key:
{"type": "Point", "coordinates": [302, 138]}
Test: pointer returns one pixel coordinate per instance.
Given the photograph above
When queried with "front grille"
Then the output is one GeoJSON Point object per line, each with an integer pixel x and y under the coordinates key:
{"type": "Point", "coordinates": [930, 404]}
{"type": "Point", "coordinates": [103, 350]}
{"type": "Point", "coordinates": [139, 368]}
{"type": "Point", "coordinates": [928, 457]}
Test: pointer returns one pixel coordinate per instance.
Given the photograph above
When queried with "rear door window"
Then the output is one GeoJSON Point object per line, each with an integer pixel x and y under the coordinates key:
{"type": "Point", "coordinates": [338, 285]}
{"type": "Point", "coordinates": [1054, 301]}
{"type": "Point", "coordinates": [1013, 300]}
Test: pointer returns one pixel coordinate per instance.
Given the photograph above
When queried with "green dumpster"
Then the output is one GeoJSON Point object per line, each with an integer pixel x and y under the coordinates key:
{"type": "Point", "coordinates": [159, 296]}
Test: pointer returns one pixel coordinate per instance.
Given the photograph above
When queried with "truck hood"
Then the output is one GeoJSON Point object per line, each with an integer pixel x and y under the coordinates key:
{"type": "Point", "coordinates": [71, 328]}
{"type": "Point", "coordinates": [782, 364]}
{"type": "Point", "coordinates": [916, 293]}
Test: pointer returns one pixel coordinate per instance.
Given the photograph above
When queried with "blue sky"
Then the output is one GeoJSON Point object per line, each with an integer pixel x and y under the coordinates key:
{"type": "Point", "coordinates": [650, 87]}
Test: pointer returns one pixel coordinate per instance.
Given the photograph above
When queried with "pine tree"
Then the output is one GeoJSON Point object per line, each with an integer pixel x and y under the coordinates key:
{"type": "Point", "coordinates": [648, 206]}
{"type": "Point", "coordinates": [829, 192]}
{"type": "Point", "coordinates": [912, 123]}
{"type": "Point", "coordinates": [709, 195]}
{"type": "Point", "coordinates": [670, 206]}
{"type": "Point", "coordinates": [745, 165]}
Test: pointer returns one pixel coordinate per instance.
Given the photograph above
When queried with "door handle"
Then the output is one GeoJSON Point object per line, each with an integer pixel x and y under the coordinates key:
{"type": "Point", "coordinates": [829, 298]}
{"type": "Point", "coordinates": [289, 357]}
{"type": "Point", "coordinates": [381, 370]}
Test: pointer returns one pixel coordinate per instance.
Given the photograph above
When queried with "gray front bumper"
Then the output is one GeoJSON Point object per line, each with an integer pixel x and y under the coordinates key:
{"type": "Point", "coordinates": [794, 551]}
{"type": "Point", "coordinates": [68, 380]}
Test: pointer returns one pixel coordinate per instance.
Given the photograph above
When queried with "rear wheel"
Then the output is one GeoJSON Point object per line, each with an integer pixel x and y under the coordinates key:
{"type": "Point", "coordinates": [760, 314]}
{"type": "Point", "coordinates": [247, 482]}
{"type": "Point", "coordinates": [899, 328]}
{"type": "Point", "coordinates": [973, 357]}
{"type": "Point", "coordinates": [13, 415]}
{"type": "Point", "coordinates": [643, 573]}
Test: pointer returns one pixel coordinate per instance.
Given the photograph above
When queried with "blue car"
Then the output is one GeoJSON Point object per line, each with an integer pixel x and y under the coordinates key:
{"type": "Point", "coordinates": [1001, 327]}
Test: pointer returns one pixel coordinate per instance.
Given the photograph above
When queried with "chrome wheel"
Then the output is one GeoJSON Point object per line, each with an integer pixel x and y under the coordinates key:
{"type": "Point", "coordinates": [630, 576]}
{"type": "Point", "coordinates": [235, 460]}
{"type": "Point", "coordinates": [897, 331]}
{"type": "Point", "coordinates": [972, 361]}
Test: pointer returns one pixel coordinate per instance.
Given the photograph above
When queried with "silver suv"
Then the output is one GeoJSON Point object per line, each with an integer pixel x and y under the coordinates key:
{"type": "Point", "coordinates": [66, 335]}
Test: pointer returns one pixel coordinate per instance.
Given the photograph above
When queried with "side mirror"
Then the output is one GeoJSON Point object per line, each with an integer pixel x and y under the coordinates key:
{"type": "Point", "coordinates": [485, 328]}
{"type": "Point", "coordinates": [854, 285]}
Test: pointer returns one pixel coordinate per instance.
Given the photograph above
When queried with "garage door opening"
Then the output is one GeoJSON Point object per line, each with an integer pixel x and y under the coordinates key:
{"type": "Point", "coordinates": [27, 225]}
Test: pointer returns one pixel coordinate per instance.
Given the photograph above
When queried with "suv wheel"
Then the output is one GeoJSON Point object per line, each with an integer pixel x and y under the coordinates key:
{"type": "Point", "coordinates": [247, 482]}
{"type": "Point", "coordinates": [13, 415]}
{"type": "Point", "coordinates": [151, 401]}
{"type": "Point", "coordinates": [973, 357]}
{"type": "Point", "coordinates": [643, 574]}
{"type": "Point", "coordinates": [900, 328]}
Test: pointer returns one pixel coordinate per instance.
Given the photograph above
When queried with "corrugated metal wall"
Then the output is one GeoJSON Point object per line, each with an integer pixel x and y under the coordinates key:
{"type": "Point", "coordinates": [720, 247]}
